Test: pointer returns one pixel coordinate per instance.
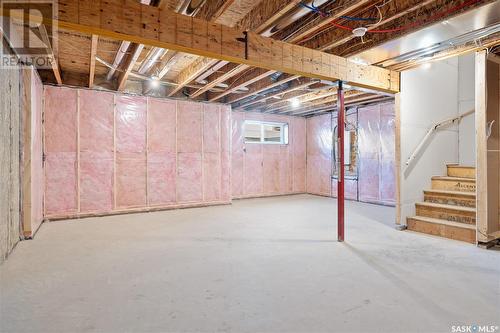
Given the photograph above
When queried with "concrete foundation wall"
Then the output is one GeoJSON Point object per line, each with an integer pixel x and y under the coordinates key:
{"type": "Point", "coordinates": [10, 136]}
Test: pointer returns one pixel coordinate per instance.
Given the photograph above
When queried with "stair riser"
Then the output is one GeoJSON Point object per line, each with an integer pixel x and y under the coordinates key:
{"type": "Point", "coordinates": [450, 200]}
{"type": "Point", "coordinates": [447, 214]}
{"type": "Point", "coordinates": [455, 171]}
{"type": "Point", "coordinates": [453, 185]}
{"type": "Point", "coordinates": [441, 230]}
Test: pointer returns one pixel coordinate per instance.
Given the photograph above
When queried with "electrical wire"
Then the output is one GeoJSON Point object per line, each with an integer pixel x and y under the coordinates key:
{"type": "Point", "coordinates": [401, 28]}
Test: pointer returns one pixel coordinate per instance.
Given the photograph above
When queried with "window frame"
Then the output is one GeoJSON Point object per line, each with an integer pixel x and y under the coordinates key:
{"type": "Point", "coordinates": [284, 132]}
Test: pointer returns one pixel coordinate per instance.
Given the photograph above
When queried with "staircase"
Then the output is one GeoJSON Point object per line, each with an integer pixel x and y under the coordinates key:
{"type": "Point", "coordinates": [449, 208]}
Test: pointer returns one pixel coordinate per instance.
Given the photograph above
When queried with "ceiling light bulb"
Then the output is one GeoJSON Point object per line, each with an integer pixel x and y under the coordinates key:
{"type": "Point", "coordinates": [295, 102]}
{"type": "Point", "coordinates": [155, 82]}
{"type": "Point", "coordinates": [359, 32]}
{"type": "Point", "coordinates": [426, 65]}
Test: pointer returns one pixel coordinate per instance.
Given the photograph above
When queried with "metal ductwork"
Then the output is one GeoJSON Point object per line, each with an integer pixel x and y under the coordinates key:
{"type": "Point", "coordinates": [191, 7]}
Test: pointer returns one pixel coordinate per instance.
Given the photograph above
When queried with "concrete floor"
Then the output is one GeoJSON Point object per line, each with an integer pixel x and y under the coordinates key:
{"type": "Point", "coordinates": [260, 265]}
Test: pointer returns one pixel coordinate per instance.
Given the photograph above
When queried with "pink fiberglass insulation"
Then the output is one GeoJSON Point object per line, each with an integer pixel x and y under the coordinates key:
{"type": "Point", "coordinates": [212, 176]}
{"type": "Point", "coordinates": [271, 170]}
{"type": "Point", "coordinates": [60, 148]}
{"type": "Point", "coordinates": [96, 181]}
{"type": "Point", "coordinates": [238, 154]}
{"type": "Point", "coordinates": [60, 120]}
{"type": "Point", "coordinates": [267, 169]}
{"type": "Point", "coordinates": [189, 177]}
{"type": "Point", "coordinates": [61, 183]}
{"type": "Point", "coordinates": [161, 177]}
{"type": "Point", "coordinates": [225, 152]}
{"type": "Point", "coordinates": [130, 180]}
{"type": "Point", "coordinates": [189, 127]}
{"type": "Point", "coordinates": [37, 180]}
{"type": "Point", "coordinates": [130, 121]}
{"type": "Point", "coordinates": [162, 156]}
{"type": "Point", "coordinates": [96, 151]}
{"type": "Point", "coordinates": [299, 154]}
{"type": "Point", "coordinates": [135, 152]}
{"type": "Point", "coordinates": [211, 128]}
{"type": "Point", "coordinates": [162, 125]}
{"type": "Point", "coordinates": [253, 170]}
{"type": "Point", "coordinates": [319, 155]}
{"type": "Point", "coordinates": [375, 164]}
{"type": "Point", "coordinates": [96, 121]}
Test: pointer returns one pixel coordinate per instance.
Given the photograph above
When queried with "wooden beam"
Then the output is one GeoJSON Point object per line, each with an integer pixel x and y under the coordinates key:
{"type": "Point", "coordinates": [163, 28]}
{"type": "Point", "coordinates": [241, 82]}
{"type": "Point", "coordinates": [129, 65]}
{"type": "Point", "coordinates": [220, 78]}
{"type": "Point", "coordinates": [93, 51]}
{"type": "Point", "coordinates": [53, 61]}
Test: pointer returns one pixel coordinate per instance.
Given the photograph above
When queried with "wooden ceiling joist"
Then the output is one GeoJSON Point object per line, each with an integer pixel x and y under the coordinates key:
{"type": "Point", "coordinates": [260, 87]}
{"type": "Point", "coordinates": [53, 60]}
{"type": "Point", "coordinates": [338, 37]}
{"type": "Point", "coordinates": [220, 78]}
{"type": "Point", "coordinates": [275, 9]}
{"type": "Point", "coordinates": [136, 50]}
{"type": "Point", "coordinates": [190, 73]}
{"type": "Point", "coordinates": [93, 52]}
{"type": "Point", "coordinates": [163, 28]}
{"type": "Point", "coordinates": [264, 15]}
{"type": "Point", "coordinates": [414, 11]}
{"type": "Point", "coordinates": [241, 82]}
{"type": "Point", "coordinates": [347, 8]}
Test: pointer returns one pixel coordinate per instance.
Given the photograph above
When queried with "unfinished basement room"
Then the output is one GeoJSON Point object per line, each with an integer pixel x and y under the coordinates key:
{"type": "Point", "coordinates": [250, 166]}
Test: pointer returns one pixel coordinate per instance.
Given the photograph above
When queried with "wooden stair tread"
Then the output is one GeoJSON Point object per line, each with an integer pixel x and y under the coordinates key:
{"type": "Point", "coordinates": [462, 193]}
{"type": "Point", "coordinates": [444, 206]}
{"type": "Point", "coordinates": [460, 166]}
{"type": "Point", "coordinates": [458, 179]}
{"type": "Point", "coordinates": [444, 222]}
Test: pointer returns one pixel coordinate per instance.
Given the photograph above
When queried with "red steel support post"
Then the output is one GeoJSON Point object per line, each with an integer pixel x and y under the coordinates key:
{"type": "Point", "coordinates": [340, 185]}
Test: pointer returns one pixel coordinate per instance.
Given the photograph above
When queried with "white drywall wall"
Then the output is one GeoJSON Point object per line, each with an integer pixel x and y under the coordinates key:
{"type": "Point", "coordinates": [466, 130]}
{"type": "Point", "coordinates": [428, 95]}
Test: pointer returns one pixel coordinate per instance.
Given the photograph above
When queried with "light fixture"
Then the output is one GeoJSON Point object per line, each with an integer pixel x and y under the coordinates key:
{"type": "Point", "coordinates": [155, 81]}
{"type": "Point", "coordinates": [359, 32]}
{"type": "Point", "coordinates": [295, 102]}
{"type": "Point", "coordinates": [426, 65]}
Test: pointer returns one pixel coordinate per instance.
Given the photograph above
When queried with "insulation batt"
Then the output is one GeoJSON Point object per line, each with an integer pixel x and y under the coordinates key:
{"type": "Point", "coordinates": [109, 152]}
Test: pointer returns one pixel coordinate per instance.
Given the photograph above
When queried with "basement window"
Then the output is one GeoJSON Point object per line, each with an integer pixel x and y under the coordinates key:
{"type": "Point", "coordinates": [266, 132]}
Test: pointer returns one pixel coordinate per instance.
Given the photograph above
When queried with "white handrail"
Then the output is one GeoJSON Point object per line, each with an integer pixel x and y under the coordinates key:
{"type": "Point", "coordinates": [431, 131]}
